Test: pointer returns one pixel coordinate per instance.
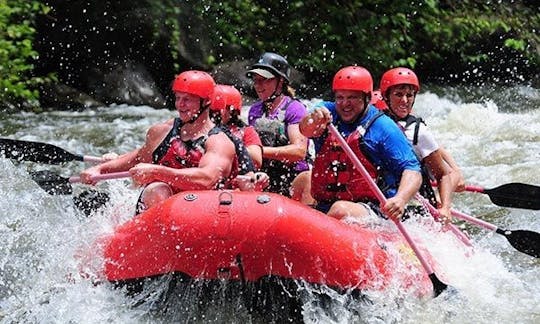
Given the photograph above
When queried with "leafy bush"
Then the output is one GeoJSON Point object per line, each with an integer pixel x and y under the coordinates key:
{"type": "Point", "coordinates": [320, 36]}
{"type": "Point", "coordinates": [17, 83]}
{"type": "Point", "coordinates": [442, 40]}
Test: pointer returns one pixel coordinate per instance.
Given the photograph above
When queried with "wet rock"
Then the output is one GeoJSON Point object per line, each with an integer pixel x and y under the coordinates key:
{"type": "Point", "coordinates": [63, 97]}
{"type": "Point", "coordinates": [129, 83]}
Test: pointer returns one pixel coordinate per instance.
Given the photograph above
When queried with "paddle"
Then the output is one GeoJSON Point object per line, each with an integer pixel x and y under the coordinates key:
{"type": "Point", "coordinates": [514, 195]}
{"type": "Point", "coordinates": [40, 152]}
{"type": "Point", "coordinates": [438, 285]}
{"type": "Point", "coordinates": [55, 184]}
{"type": "Point", "coordinates": [435, 213]}
{"type": "Point", "coordinates": [524, 241]}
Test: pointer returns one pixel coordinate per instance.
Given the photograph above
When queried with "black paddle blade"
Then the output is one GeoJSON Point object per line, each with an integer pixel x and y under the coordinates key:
{"type": "Point", "coordinates": [438, 286]}
{"type": "Point", "coordinates": [515, 195]}
{"type": "Point", "coordinates": [524, 241]}
{"type": "Point", "coordinates": [90, 201]}
{"type": "Point", "coordinates": [35, 152]}
{"type": "Point", "coordinates": [52, 183]}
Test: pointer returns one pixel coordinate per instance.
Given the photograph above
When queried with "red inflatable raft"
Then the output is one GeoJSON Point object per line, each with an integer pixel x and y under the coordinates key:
{"type": "Point", "coordinates": [245, 236]}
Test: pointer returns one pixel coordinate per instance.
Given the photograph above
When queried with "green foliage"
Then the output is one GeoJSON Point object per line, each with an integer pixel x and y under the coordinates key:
{"type": "Point", "coordinates": [517, 44]}
{"type": "Point", "coordinates": [17, 84]}
{"type": "Point", "coordinates": [317, 37]}
{"type": "Point", "coordinates": [471, 25]}
{"type": "Point", "coordinates": [323, 36]}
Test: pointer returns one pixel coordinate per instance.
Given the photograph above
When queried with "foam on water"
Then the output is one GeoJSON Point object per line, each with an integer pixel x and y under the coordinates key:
{"type": "Point", "coordinates": [43, 237]}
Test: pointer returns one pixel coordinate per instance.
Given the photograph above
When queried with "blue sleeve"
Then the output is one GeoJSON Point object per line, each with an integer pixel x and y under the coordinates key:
{"type": "Point", "coordinates": [391, 149]}
{"type": "Point", "coordinates": [328, 104]}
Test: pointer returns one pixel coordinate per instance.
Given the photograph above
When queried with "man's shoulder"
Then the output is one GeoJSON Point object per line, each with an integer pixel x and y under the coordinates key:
{"type": "Point", "coordinates": [378, 119]}
{"type": "Point", "coordinates": [219, 134]}
{"type": "Point", "coordinates": [160, 128]}
{"type": "Point", "coordinates": [328, 104]}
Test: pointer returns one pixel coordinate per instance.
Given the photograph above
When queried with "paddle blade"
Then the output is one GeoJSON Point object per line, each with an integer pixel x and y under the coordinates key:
{"type": "Point", "coordinates": [524, 241]}
{"type": "Point", "coordinates": [516, 195]}
{"type": "Point", "coordinates": [52, 183]}
{"type": "Point", "coordinates": [90, 200]}
{"type": "Point", "coordinates": [35, 152]}
{"type": "Point", "coordinates": [438, 286]}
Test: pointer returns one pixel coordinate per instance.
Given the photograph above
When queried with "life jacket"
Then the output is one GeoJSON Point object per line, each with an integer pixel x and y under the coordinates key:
{"type": "Point", "coordinates": [245, 162]}
{"type": "Point", "coordinates": [272, 130]}
{"type": "Point", "coordinates": [273, 133]}
{"type": "Point", "coordinates": [335, 178]}
{"type": "Point", "coordinates": [175, 153]}
{"type": "Point", "coordinates": [409, 120]}
{"type": "Point", "coordinates": [426, 190]}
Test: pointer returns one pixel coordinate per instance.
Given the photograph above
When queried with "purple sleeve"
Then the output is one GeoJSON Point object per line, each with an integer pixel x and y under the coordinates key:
{"type": "Point", "coordinates": [295, 112]}
{"type": "Point", "coordinates": [255, 112]}
{"type": "Point", "coordinates": [293, 115]}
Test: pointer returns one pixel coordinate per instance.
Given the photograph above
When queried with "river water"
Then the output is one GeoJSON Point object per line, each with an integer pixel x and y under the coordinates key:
{"type": "Point", "coordinates": [494, 135]}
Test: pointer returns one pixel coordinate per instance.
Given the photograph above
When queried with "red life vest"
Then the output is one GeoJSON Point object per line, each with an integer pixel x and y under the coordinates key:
{"type": "Point", "coordinates": [335, 178]}
{"type": "Point", "coordinates": [178, 154]}
{"type": "Point", "coordinates": [182, 154]}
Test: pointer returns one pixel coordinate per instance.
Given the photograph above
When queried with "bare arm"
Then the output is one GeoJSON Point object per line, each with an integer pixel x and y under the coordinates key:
{"type": "Point", "coordinates": [215, 164]}
{"type": "Point", "coordinates": [255, 152]}
{"type": "Point", "coordinates": [408, 187]}
{"type": "Point", "coordinates": [445, 181]}
{"type": "Point", "coordinates": [456, 171]}
{"type": "Point", "coordinates": [295, 151]}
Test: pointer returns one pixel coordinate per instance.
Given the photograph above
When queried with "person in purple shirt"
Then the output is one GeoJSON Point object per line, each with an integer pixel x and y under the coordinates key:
{"type": "Point", "coordinates": [276, 116]}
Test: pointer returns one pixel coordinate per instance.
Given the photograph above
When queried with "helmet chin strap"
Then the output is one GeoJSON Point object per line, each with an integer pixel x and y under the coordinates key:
{"type": "Point", "coordinates": [360, 115]}
{"type": "Point", "coordinates": [366, 104]}
{"type": "Point", "coordinates": [267, 104]}
{"type": "Point", "coordinates": [202, 108]}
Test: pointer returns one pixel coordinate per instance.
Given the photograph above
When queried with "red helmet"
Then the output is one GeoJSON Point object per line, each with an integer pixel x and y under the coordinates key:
{"type": "Point", "coordinates": [198, 83]}
{"type": "Point", "coordinates": [399, 75]}
{"type": "Point", "coordinates": [225, 96]}
{"type": "Point", "coordinates": [354, 78]}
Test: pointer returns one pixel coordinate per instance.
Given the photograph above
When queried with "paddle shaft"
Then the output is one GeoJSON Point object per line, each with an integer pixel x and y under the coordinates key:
{"type": "Point", "coordinates": [92, 159]}
{"type": "Point", "coordinates": [436, 215]}
{"type": "Point", "coordinates": [381, 198]}
{"type": "Point", "coordinates": [469, 188]}
{"type": "Point", "coordinates": [55, 184]}
{"type": "Point", "coordinates": [474, 220]}
{"type": "Point", "coordinates": [100, 177]}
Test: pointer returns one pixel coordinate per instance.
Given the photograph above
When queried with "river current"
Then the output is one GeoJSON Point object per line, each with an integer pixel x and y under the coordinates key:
{"type": "Point", "coordinates": [494, 137]}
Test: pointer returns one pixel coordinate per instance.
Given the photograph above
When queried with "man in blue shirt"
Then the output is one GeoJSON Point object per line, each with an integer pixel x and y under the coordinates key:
{"type": "Point", "coordinates": [340, 189]}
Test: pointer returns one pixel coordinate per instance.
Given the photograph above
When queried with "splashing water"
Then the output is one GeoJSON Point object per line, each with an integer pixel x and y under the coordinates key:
{"type": "Point", "coordinates": [43, 237]}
